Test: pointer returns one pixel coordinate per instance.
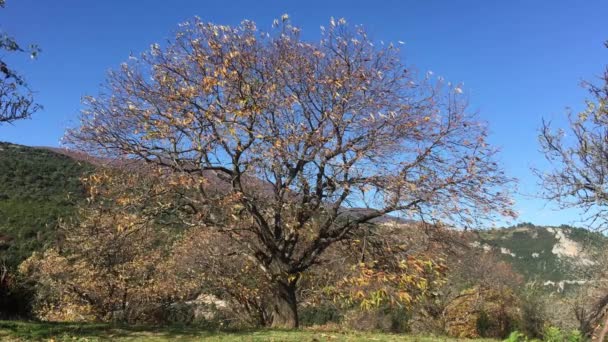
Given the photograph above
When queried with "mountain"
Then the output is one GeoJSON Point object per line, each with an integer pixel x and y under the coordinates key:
{"type": "Point", "coordinates": [556, 256]}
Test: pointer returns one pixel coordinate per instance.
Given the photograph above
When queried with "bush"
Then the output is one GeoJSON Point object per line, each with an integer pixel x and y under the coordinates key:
{"type": "Point", "coordinates": [516, 336]}
{"type": "Point", "coordinates": [550, 334]}
{"type": "Point", "coordinates": [575, 336]}
{"type": "Point", "coordinates": [483, 312]}
{"type": "Point", "coordinates": [553, 334]}
{"type": "Point", "coordinates": [534, 315]}
{"type": "Point", "coordinates": [319, 315]}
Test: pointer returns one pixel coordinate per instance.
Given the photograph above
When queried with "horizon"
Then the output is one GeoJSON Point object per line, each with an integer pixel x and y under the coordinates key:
{"type": "Point", "coordinates": [518, 62]}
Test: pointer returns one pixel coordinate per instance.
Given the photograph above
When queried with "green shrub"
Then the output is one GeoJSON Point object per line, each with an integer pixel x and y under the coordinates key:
{"type": "Point", "coordinates": [553, 334]}
{"type": "Point", "coordinates": [319, 315]}
{"type": "Point", "coordinates": [575, 336]}
{"type": "Point", "coordinates": [516, 336]}
{"type": "Point", "coordinates": [400, 320]}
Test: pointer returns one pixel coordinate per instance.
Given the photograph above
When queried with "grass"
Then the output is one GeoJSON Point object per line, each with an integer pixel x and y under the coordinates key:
{"type": "Point", "coordinates": [13, 331]}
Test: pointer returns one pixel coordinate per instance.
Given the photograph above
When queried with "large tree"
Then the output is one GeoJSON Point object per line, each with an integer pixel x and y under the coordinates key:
{"type": "Point", "coordinates": [281, 138]}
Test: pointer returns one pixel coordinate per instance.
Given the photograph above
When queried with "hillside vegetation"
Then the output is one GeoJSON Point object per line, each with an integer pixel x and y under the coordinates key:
{"type": "Point", "coordinates": [37, 187]}
{"type": "Point", "coordinates": [545, 254]}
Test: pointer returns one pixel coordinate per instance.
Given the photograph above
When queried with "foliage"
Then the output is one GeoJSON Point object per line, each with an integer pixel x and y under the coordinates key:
{"type": "Point", "coordinates": [200, 249]}
{"type": "Point", "coordinates": [523, 242]}
{"type": "Point", "coordinates": [109, 265]}
{"type": "Point", "coordinates": [551, 334]}
{"type": "Point", "coordinates": [380, 278]}
{"type": "Point", "coordinates": [575, 336]}
{"type": "Point", "coordinates": [372, 285]}
{"type": "Point", "coordinates": [515, 336]}
{"type": "Point", "coordinates": [474, 267]}
{"type": "Point", "coordinates": [481, 295]}
{"type": "Point", "coordinates": [534, 305]}
{"type": "Point", "coordinates": [320, 315]}
{"type": "Point", "coordinates": [483, 312]}
{"type": "Point", "coordinates": [16, 101]}
{"type": "Point", "coordinates": [592, 300]}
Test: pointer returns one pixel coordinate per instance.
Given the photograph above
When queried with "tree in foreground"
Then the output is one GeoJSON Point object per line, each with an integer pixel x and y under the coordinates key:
{"type": "Point", "coordinates": [16, 101]}
{"type": "Point", "coordinates": [578, 177]}
{"type": "Point", "coordinates": [280, 139]}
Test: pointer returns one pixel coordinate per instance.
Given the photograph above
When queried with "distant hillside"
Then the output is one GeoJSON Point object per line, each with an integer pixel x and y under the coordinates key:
{"type": "Point", "coordinates": [546, 254]}
{"type": "Point", "coordinates": [37, 187]}
{"type": "Point", "coordinates": [40, 185]}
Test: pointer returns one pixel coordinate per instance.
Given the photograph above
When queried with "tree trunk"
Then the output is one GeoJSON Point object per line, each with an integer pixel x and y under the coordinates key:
{"type": "Point", "coordinates": [285, 306]}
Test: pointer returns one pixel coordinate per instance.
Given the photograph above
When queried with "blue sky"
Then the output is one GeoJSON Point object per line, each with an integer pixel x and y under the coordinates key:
{"type": "Point", "coordinates": [520, 61]}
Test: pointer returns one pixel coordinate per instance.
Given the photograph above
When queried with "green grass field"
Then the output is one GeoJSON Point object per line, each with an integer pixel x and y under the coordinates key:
{"type": "Point", "coordinates": [12, 331]}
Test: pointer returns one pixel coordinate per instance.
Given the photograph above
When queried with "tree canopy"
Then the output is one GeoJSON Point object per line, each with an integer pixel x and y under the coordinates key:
{"type": "Point", "coordinates": [281, 141]}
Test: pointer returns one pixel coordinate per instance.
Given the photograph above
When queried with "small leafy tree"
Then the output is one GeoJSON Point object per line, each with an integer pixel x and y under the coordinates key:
{"type": "Point", "coordinates": [112, 263]}
{"type": "Point", "coordinates": [282, 138]}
